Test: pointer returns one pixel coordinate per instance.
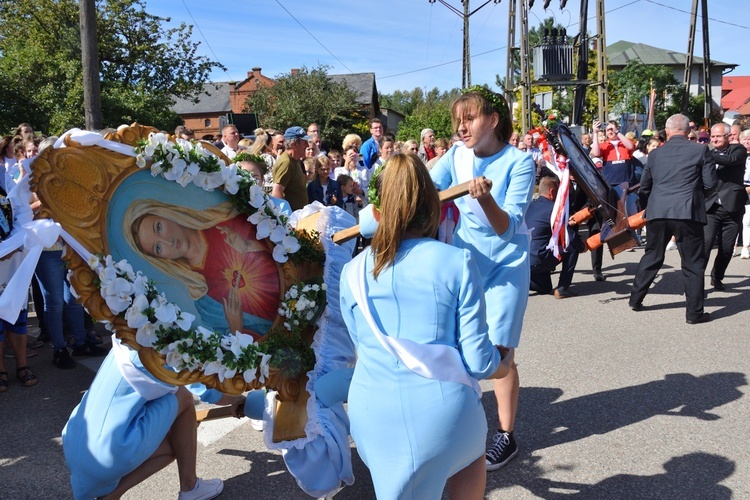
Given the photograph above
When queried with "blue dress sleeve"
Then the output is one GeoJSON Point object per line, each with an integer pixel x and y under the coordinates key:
{"type": "Point", "coordinates": [518, 195]}
{"type": "Point", "coordinates": [441, 172]}
{"type": "Point", "coordinates": [480, 356]}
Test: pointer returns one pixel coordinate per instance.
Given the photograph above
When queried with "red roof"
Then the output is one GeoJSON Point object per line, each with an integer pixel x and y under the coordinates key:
{"type": "Point", "coordinates": [736, 94]}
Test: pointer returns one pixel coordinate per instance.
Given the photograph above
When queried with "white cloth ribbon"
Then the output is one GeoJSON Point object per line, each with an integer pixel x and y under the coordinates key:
{"type": "Point", "coordinates": [464, 162]}
{"type": "Point", "coordinates": [34, 237]}
{"type": "Point", "coordinates": [146, 387]}
{"type": "Point", "coordinates": [432, 361]}
{"type": "Point", "coordinates": [87, 138]}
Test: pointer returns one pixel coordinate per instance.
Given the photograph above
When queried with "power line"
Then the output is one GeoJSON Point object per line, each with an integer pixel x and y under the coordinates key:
{"type": "Point", "coordinates": [710, 18]}
{"type": "Point", "coordinates": [313, 36]}
{"type": "Point", "coordinates": [204, 36]}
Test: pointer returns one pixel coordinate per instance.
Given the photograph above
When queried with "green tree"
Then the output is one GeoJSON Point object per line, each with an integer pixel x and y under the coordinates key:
{"type": "Point", "coordinates": [304, 97]}
{"type": "Point", "coordinates": [628, 87]}
{"type": "Point", "coordinates": [143, 65]}
{"type": "Point", "coordinates": [422, 110]}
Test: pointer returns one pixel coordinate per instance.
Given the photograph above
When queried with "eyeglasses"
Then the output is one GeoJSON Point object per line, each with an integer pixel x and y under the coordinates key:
{"type": "Point", "coordinates": [703, 141]}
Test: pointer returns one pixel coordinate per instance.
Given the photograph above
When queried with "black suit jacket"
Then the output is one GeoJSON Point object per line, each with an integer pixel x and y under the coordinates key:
{"type": "Point", "coordinates": [730, 169]}
{"type": "Point", "coordinates": [675, 178]}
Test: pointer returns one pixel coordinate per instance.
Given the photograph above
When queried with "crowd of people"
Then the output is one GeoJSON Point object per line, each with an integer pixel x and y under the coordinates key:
{"type": "Point", "coordinates": [693, 184]}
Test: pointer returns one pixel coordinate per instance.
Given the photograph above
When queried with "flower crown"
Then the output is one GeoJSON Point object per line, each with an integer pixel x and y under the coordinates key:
{"type": "Point", "coordinates": [248, 157]}
{"type": "Point", "coordinates": [497, 101]}
{"type": "Point", "coordinates": [373, 194]}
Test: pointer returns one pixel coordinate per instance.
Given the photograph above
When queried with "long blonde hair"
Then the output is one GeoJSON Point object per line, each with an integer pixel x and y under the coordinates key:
{"type": "Point", "coordinates": [408, 201]}
{"type": "Point", "coordinates": [186, 217]}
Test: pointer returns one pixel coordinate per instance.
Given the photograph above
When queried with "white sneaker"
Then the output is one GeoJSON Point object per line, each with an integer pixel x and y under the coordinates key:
{"type": "Point", "coordinates": [671, 245]}
{"type": "Point", "coordinates": [258, 424]}
{"type": "Point", "coordinates": [745, 254]}
{"type": "Point", "coordinates": [204, 489]}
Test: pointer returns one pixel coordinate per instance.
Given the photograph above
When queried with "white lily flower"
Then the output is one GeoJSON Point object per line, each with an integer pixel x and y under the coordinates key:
{"type": "Point", "coordinates": [263, 368]}
{"type": "Point", "coordinates": [185, 320]}
{"type": "Point", "coordinates": [249, 375]}
{"type": "Point", "coordinates": [106, 275]}
{"type": "Point", "coordinates": [149, 150]}
{"type": "Point", "coordinates": [117, 295]}
{"type": "Point", "coordinates": [93, 262]}
{"type": "Point", "coordinates": [257, 196]}
{"type": "Point", "coordinates": [146, 335]}
{"type": "Point", "coordinates": [178, 168]}
{"type": "Point", "coordinates": [166, 313]}
{"type": "Point", "coordinates": [290, 244]}
{"type": "Point", "coordinates": [135, 313]}
{"type": "Point", "coordinates": [159, 138]}
{"type": "Point", "coordinates": [264, 228]}
{"type": "Point", "coordinates": [208, 181]}
{"type": "Point", "coordinates": [140, 161]}
{"type": "Point", "coordinates": [140, 284]}
{"type": "Point", "coordinates": [278, 234]}
{"type": "Point", "coordinates": [156, 168]}
{"type": "Point", "coordinates": [279, 254]}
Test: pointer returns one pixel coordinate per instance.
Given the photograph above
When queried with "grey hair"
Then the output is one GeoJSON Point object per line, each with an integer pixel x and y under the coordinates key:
{"type": "Point", "coordinates": [745, 133]}
{"type": "Point", "coordinates": [678, 123]}
{"type": "Point", "coordinates": [289, 143]}
{"type": "Point", "coordinates": [424, 133]}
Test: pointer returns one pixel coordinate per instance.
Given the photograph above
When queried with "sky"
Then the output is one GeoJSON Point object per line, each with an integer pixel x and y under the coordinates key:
{"type": "Point", "coordinates": [415, 43]}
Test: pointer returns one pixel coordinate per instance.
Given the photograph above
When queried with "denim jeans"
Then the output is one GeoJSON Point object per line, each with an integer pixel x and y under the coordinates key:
{"type": "Point", "coordinates": [50, 273]}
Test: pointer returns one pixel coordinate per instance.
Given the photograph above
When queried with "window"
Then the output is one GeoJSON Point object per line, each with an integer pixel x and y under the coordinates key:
{"type": "Point", "coordinates": [207, 122]}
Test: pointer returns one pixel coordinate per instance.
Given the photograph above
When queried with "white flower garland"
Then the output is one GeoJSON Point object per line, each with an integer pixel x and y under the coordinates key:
{"type": "Point", "coordinates": [162, 325]}
{"type": "Point", "coordinates": [185, 162]}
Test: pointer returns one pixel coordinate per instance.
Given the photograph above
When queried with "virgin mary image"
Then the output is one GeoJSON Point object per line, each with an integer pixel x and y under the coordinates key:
{"type": "Point", "coordinates": [214, 252]}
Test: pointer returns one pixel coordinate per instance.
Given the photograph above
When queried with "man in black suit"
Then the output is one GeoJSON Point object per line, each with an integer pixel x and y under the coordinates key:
{"type": "Point", "coordinates": [725, 204]}
{"type": "Point", "coordinates": [672, 188]}
{"type": "Point", "coordinates": [542, 260]}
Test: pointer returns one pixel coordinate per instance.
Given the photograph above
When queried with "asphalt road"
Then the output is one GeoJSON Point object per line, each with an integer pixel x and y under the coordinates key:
{"type": "Point", "coordinates": [613, 404]}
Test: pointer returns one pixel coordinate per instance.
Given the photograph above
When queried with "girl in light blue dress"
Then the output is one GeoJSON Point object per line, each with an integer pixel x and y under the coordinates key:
{"type": "Point", "coordinates": [129, 426]}
{"type": "Point", "coordinates": [491, 227]}
{"type": "Point", "coordinates": [415, 310]}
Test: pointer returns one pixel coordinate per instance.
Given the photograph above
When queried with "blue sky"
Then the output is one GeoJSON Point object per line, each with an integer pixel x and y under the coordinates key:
{"type": "Point", "coordinates": [414, 43]}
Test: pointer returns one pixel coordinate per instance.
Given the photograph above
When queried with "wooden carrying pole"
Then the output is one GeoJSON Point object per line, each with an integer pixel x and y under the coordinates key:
{"type": "Point", "coordinates": [448, 195]}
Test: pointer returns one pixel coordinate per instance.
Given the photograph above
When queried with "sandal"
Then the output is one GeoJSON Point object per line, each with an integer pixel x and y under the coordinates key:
{"type": "Point", "coordinates": [25, 376]}
{"type": "Point", "coordinates": [3, 381]}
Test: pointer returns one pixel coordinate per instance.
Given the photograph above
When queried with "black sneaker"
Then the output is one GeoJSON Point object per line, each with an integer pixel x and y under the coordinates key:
{"type": "Point", "coordinates": [89, 349]}
{"type": "Point", "coordinates": [502, 451]}
{"type": "Point", "coordinates": [61, 359]}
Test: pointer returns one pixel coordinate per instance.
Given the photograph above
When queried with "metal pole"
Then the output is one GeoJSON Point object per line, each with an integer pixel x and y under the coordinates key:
{"type": "Point", "coordinates": [510, 67]}
{"type": "Point", "coordinates": [706, 64]}
{"type": "Point", "coordinates": [466, 80]}
{"type": "Point", "coordinates": [689, 56]}
{"type": "Point", "coordinates": [601, 45]}
{"type": "Point", "coordinates": [526, 120]}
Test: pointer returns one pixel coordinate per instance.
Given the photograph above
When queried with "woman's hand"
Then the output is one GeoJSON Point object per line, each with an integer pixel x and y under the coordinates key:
{"type": "Point", "coordinates": [233, 310]}
{"type": "Point", "coordinates": [479, 187]}
{"type": "Point", "coordinates": [506, 364]}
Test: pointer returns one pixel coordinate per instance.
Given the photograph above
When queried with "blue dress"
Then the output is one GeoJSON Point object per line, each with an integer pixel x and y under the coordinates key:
{"type": "Point", "coordinates": [113, 429]}
{"type": "Point", "coordinates": [503, 260]}
{"type": "Point", "coordinates": [412, 432]}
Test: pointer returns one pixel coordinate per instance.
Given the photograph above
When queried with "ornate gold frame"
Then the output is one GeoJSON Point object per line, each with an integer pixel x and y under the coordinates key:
{"type": "Point", "coordinates": [74, 185]}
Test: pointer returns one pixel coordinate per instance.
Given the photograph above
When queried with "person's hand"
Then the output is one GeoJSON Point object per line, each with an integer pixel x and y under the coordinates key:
{"type": "Point", "coordinates": [359, 201]}
{"type": "Point", "coordinates": [334, 200]}
{"type": "Point", "coordinates": [508, 356]}
{"type": "Point", "coordinates": [479, 187]}
{"type": "Point", "coordinates": [233, 310]}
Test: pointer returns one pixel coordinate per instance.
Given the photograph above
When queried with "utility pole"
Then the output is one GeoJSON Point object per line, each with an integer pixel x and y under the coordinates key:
{"type": "Point", "coordinates": [526, 117]}
{"type": "Point", "coordinates": [689, 56]}
{"type": "Point", "coordinates": [92, 100]}
{"type": "Point", "coordinates": [601, 61]}
{"type": "Point", "coordinates": [706, 64]}
{"type": "Point", "coordinates": [510, 77]}
{"type": "Point", "coordinates": [465, 15]}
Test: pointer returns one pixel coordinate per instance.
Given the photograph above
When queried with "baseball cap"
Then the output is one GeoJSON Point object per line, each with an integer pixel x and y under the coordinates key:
{"type": "Point", "coordinates": [296, 133]}
{"type": "Point", "coordinates": [646, 132]}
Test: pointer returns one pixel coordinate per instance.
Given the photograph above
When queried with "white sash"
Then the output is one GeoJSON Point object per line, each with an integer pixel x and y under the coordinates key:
{"type": "Point", "coordinates": [141, 383]}
{"type": "Point", "coordinates": [464, 164]}
{"type": "Point", "coordinates": [432, 361]}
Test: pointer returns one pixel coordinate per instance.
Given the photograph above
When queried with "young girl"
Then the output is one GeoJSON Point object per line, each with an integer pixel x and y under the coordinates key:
{"type": "Point", "coordinates": [491, 226]}
{"type": "Point", "coordinates": [417, 425]}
